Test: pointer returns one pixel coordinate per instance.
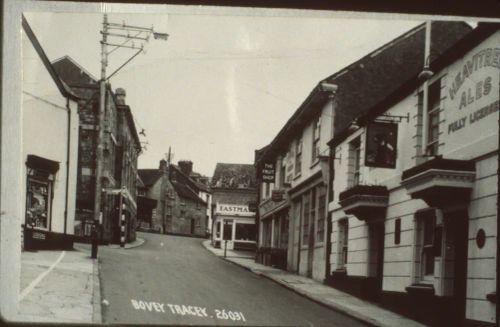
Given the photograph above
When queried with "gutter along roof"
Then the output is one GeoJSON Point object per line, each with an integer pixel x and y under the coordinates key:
{"type": "Point", "coordinates": [369, 80]}
{"type": "Point", "coordinates": [454, 52]}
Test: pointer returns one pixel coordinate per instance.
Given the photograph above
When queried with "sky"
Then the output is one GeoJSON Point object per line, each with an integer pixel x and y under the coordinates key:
{"type": "Point", "coordinates": [222, 85]}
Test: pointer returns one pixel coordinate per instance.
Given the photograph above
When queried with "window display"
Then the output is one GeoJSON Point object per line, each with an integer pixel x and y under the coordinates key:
{"type": "Point", "coordinates": [37, 202]}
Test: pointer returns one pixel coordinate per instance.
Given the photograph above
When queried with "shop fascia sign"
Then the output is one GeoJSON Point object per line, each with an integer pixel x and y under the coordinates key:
{"type": "Point", "coordinates": [233, 210]}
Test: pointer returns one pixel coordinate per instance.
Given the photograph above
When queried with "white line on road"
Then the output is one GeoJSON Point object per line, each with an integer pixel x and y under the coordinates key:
{"type": "Point", "coordinates": [37, 280]}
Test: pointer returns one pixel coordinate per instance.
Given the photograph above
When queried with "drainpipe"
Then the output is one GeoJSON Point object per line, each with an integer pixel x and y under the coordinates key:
{"type": "Point", "coordinates": [329, 194]}
{"type": "Point", "coordinates": [68, 148]}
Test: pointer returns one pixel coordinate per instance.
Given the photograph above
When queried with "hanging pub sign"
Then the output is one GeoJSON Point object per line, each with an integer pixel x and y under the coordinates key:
{"type": "Point", "coordinates": [268, 173]}
{"type": "Point", "coordinates": [381, 145]}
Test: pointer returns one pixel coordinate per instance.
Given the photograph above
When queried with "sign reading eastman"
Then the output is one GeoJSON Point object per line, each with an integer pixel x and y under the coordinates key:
{"type": "Point", "coordinates": [233, 210]}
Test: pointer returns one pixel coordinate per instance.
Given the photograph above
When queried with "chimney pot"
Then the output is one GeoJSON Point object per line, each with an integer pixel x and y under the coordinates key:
{"type": "Point", "coordinates": [120, 96]}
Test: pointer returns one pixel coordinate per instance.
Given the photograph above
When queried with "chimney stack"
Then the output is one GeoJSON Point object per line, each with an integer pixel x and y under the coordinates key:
{"type": "Point", "coordinates": [186, 166]}
{"type": "Point", "coordinates": [163, 166]}
{"type": "Point", "coordinates": [120, 96]}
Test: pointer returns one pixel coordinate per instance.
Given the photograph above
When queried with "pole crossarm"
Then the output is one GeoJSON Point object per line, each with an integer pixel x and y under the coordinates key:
{"type": "Point", "coordinates": [128, 36]}
{"type": "Point", "coordinates": [124, 46]}
{"type": "Point", "coordinates": [128, 27]}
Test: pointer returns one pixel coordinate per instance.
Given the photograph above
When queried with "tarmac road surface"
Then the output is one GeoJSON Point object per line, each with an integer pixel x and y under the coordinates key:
{"type": "Point", "coordinates": [172, 280]}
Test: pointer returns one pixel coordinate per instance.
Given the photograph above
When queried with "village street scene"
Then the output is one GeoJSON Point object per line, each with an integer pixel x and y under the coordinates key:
{"type": "Point", "coordinates": [251, 169]}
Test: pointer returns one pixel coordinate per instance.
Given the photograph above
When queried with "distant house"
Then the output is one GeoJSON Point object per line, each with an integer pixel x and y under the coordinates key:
{"type": "Point", "coordinates": [233, 196]}
{"type": "Point", "coordinates": [179, 209]}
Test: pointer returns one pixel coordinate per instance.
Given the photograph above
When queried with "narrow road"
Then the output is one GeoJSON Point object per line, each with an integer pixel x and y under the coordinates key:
{"type": "Point", "coordinates": [173, 280]}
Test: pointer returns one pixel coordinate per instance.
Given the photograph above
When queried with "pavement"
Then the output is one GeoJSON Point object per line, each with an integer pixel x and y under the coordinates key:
{"type": "Point", "coordinates": [172, 280]}
{"type": "Point", "coordinates": [352, 306]}
{"type": "Point", "coordinates": [62, 286]}
{"type": "Point", "coordinates": [59, 287]}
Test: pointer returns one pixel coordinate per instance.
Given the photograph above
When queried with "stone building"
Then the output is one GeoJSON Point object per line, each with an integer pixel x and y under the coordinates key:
{"type": "Point", "coordinates": [234, 195]}
{"type": "Point", "coordinates": [179, 208]}
{"type": "Point", "coordinates": [121, 149]}
{"type": "Point", "coordinates": [414, 214]}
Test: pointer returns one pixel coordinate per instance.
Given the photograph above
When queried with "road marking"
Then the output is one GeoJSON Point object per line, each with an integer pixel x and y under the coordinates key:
{"type": "Point", "coordinates": [37, 280]}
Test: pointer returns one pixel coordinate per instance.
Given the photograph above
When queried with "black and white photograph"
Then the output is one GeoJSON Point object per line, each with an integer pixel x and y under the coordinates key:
{"type": "Point", "coordinates": [205, 165]}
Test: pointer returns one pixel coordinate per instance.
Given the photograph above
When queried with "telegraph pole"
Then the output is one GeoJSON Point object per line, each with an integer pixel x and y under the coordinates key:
{"type": "Point", "coordinates": [100, 135]}
{"type": "Point", "coordinates": [131, 33]}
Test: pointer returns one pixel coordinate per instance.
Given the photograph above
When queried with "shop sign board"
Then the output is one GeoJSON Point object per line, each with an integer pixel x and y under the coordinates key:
{"type": "Point", "coordinates": [268, 173]}
{"type": "Point", "coordinates": [233, 210]}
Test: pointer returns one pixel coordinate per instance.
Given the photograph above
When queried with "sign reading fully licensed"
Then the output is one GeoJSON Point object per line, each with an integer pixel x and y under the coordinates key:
{"type": "Point", "coordinates": [472, 93]}
{"type": "Point", "coordinates": [233, 210]}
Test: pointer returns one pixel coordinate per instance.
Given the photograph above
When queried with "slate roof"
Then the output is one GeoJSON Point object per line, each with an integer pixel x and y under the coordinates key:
{"type": "Point", "coordinates": [370, 79]}
{"type": "Point", "coordinates": [227, 175]}
{"type": "Point", "coordinates": [475, 37]}
{"type": "Point", "coordinates": [149, 176]}
{"type": "Point", "coordinates": [185, 192]}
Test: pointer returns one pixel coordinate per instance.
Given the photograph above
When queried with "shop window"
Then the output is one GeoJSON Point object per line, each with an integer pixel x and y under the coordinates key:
{"type": "Point", "coordinates": [284, 231]}
{"type": "Point", "coordinates": [320, 226]}
{"type": "Point", "coordinates": [245, 232]}
{"type": "Point", "coordinates": [298, 156]}
{"type": "Point", "coordinates": [276, 232]}
{"type": "Point", "coordinates": [316, 137]}
{"type": "Point", "coordinates": [355, 161]}
{"type": "Point", "coordinates": [39, 183]}
{"type": "Point", "coordinates": [267, 233]}
{"type": "Point", "coordinates": [433, 109]}
{"type": "Point", "coordinates": [312, 215]}
{"type": "Point", "coordinates": [38, 202]}
{"type": "Point", "coordinates": [305, 221]}
{"type": "Point", "coordinates": [343, 241]}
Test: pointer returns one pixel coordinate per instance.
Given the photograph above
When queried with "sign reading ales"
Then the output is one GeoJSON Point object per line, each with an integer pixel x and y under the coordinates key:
{"type": "Point", "coordinates": [381, 144]}
{"type": "Point", "coordinates": [268, 173]}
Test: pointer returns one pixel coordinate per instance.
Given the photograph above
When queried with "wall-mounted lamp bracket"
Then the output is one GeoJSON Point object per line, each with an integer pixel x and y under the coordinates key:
{"type": "Point", "coordinates": [386, 118]}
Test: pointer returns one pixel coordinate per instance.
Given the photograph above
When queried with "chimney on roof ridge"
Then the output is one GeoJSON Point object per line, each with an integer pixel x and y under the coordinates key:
{"type": "Point", "coordinates": [186, 166]}
{"type": "Point", "coordinates": [120, 96]}
{"type": "Point", "coordinates": [163, 166]}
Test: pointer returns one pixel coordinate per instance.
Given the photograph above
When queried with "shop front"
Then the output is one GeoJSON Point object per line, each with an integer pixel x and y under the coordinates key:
{"type": "Point", "coordinates": [234, 227]}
